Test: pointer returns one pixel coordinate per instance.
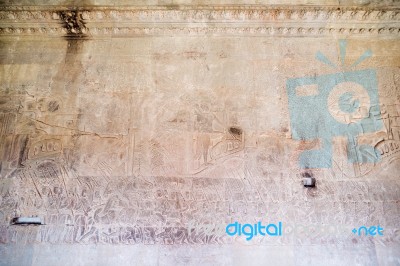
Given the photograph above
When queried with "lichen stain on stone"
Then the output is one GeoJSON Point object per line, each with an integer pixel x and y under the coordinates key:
{"type": "Point", "coordinates": [235, 130]}
{"type": "Point", "coordinates": [73, 23]}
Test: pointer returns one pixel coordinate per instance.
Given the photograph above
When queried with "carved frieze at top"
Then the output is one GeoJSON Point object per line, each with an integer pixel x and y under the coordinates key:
{"type": "Point", "coordinates": [195, 20]}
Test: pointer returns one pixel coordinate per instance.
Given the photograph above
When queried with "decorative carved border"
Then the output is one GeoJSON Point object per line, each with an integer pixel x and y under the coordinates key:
{"type": "Point", "coordinates": [199, 20]}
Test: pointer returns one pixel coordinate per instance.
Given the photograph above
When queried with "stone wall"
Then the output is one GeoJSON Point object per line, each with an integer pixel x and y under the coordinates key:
{"type": "Point", "coordinates": [138, 131]}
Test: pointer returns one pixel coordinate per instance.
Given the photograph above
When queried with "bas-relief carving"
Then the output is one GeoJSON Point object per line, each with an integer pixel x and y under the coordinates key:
{"type": "Point", "coordinates": [92, 206]}
{"type": "Point", "coordinates": [140, 162]}
{"type": "Point", "coordinates": [80, 209]}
